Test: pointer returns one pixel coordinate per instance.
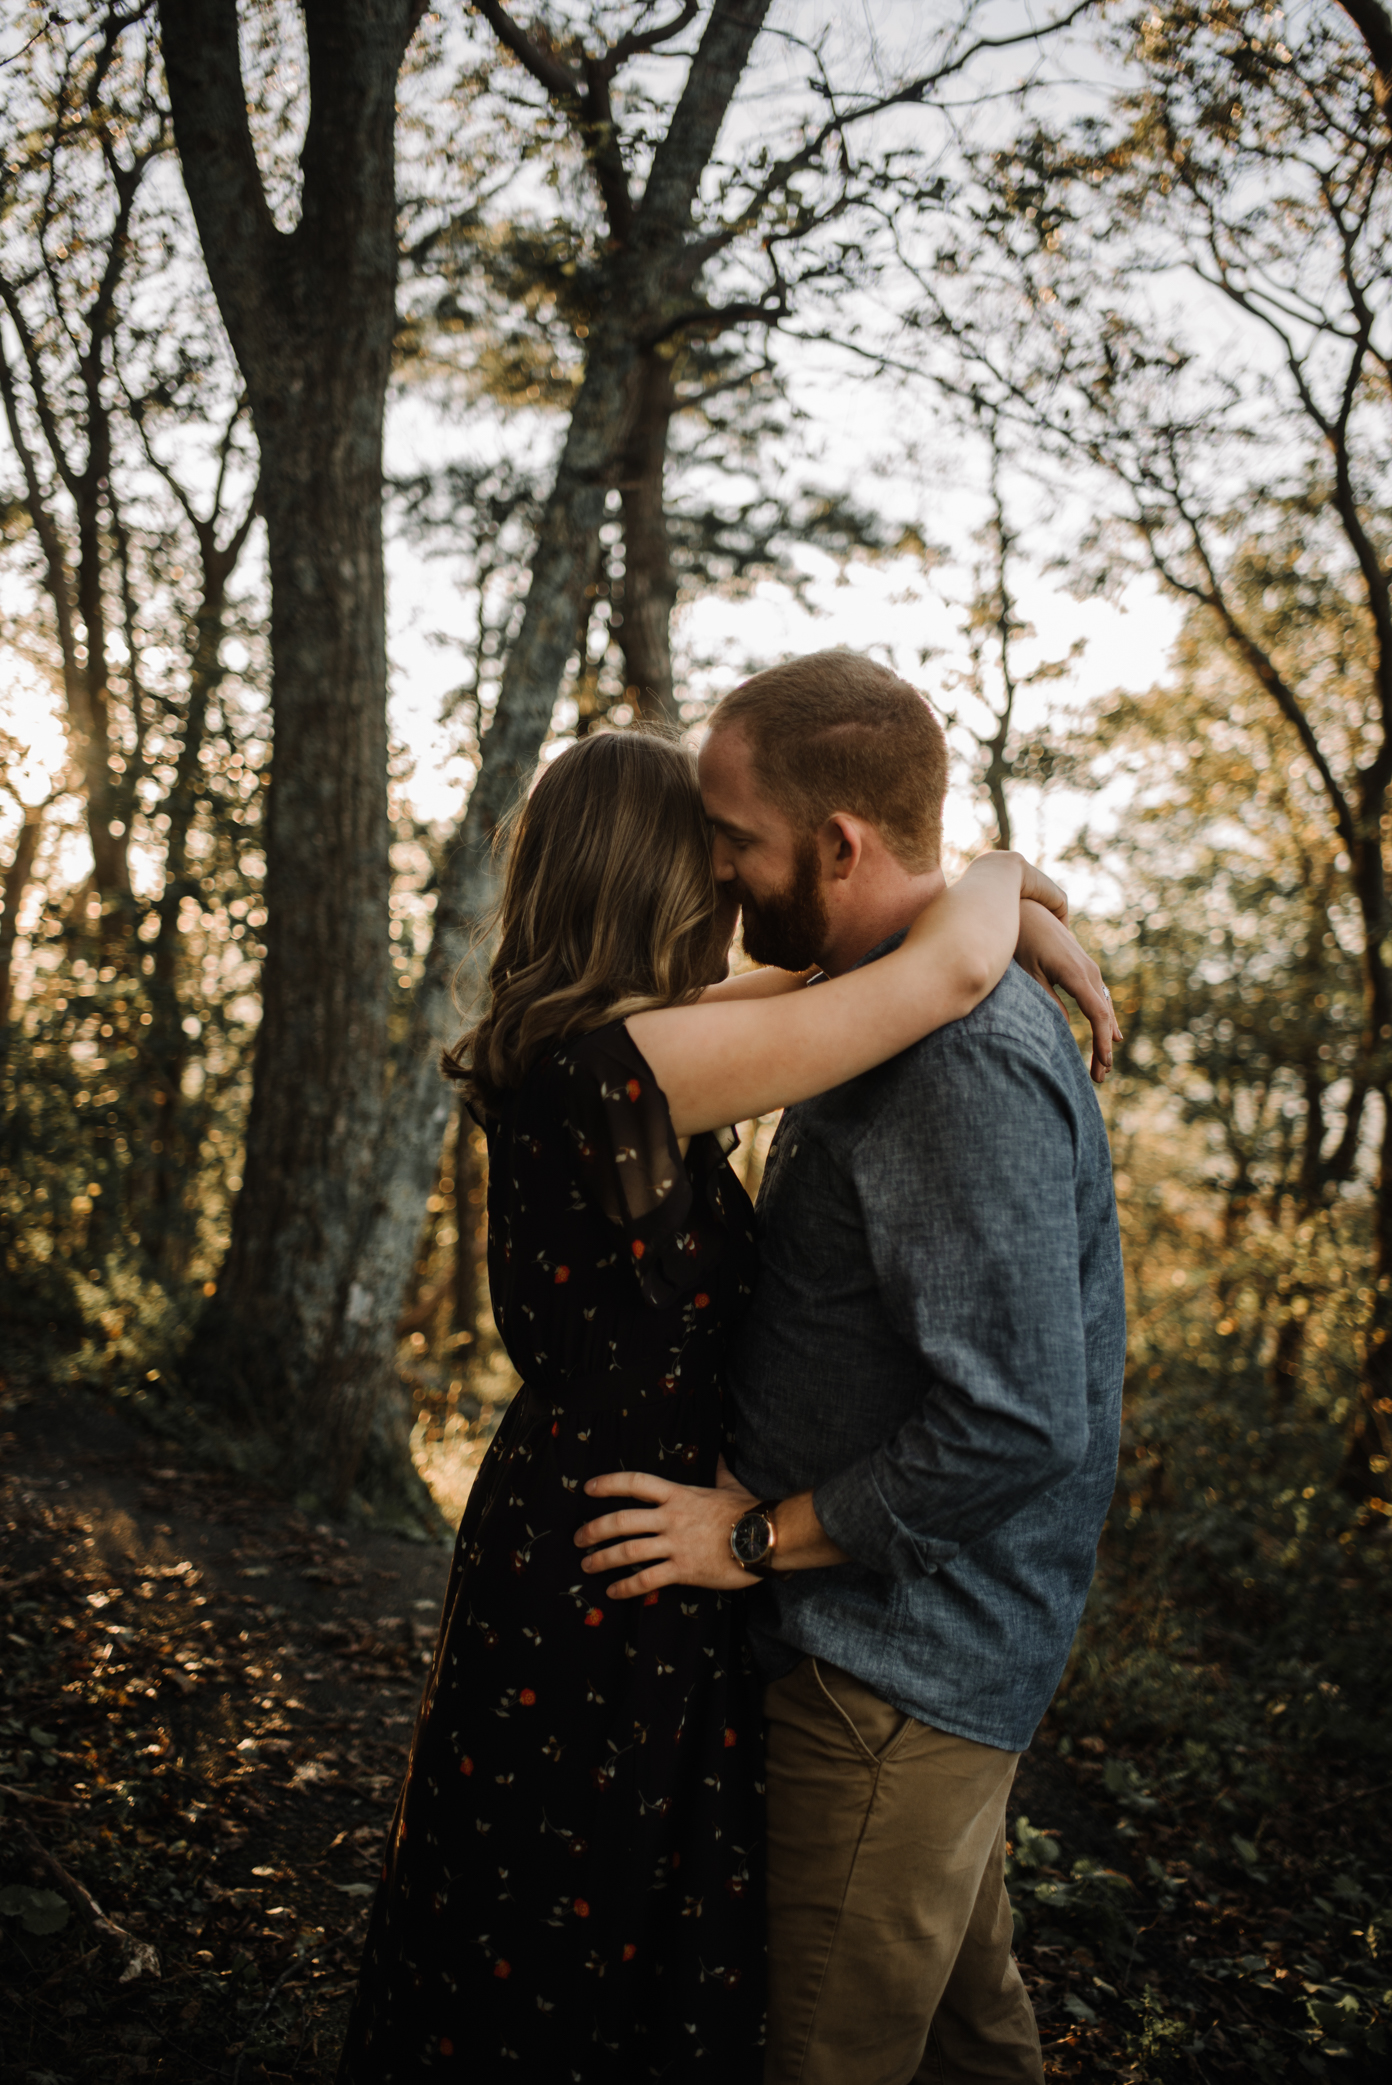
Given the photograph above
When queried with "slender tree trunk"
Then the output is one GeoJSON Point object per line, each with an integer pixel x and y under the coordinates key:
{"type": "Point", "coordinates": [165, 1050]}
{"type": "Point", "coordinates": [467, 1175]}
{"type": "Point", "coordinates": [16, 883]}
{"type": "Point", "coordinates": [311, 318]}
{"type": "Point", "coordinates": [646, 277]}
{"type": "Point", "coordinates": [360, 1363]}
{"type": "Point", "coordinates": [75, 591]}
{"type": "Point", "coordinates": [650, 584]}
{"type": "Point", "coordinates": [1367, 1468]}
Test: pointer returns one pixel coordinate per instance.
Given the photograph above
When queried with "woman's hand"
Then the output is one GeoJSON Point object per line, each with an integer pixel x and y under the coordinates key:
{"type": "Point", "coordinates": [1051, 955]}
{"type": "Point", "coordinates": [681, 1536]}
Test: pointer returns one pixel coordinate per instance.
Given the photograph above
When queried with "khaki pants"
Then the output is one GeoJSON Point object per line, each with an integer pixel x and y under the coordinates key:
{"type": "Point", "coordinates": [889, 1925]}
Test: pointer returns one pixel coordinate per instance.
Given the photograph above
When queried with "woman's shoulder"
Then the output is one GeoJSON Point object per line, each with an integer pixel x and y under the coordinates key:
{"type": "Point", "coordinates": [595, 1051]}
{"type": "Point", "coordinates": [575, 1076]}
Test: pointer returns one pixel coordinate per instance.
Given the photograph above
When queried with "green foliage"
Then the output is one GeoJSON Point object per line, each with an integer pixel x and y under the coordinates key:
{"type": "Point", "coordinates": [1084, 1905]}
{"type": "Point", "coordinates": [116, 1177]}
{"type": "Point", "coordinates": [1242, 1595]}
{"type": "Point", "coordinates": [1160, 2035]}
{"type": "Point", "coordinates": [38, 1911]}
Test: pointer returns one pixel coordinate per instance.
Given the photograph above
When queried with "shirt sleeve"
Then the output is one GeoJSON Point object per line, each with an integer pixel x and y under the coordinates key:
{"type": "Point", "coordinates": [629, 1162]}
{"type": "Point", "coordinates": [968, 1201]}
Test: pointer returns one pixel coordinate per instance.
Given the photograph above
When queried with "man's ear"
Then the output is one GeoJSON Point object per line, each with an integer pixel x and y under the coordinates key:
{"type": "Point", "coordinates": [843, 844]}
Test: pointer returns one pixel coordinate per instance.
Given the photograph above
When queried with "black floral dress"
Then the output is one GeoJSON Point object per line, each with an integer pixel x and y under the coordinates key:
{"type": "Point", "coordinates": [572, 1885]}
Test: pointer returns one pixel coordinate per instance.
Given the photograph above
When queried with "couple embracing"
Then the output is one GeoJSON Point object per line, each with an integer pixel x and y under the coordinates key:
{"type": "Point", "coordinates": [775, 1560]}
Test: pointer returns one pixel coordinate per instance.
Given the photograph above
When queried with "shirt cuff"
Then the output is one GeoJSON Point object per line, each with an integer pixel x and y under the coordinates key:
{"type": "Point", "coordinates": [859, 1519]}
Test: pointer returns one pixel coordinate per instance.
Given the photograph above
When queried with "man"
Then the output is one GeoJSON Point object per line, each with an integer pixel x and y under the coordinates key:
{"type": "Point", "coordinates": [928, 1392]}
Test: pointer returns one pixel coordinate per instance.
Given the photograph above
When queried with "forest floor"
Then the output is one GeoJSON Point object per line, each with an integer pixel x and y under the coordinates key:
{"type": "Point", "coordinates": [205, 1705]}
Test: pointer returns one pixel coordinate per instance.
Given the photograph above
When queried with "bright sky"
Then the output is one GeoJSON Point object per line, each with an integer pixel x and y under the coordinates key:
{"type": "Point", "coordinates": [859, 442]}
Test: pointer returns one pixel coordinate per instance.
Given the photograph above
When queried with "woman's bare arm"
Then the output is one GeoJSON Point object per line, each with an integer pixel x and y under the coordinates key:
{"type": "Point", "coordinates": [725, 1061]}
{"type": "Point", "coordinates": [755, 984]}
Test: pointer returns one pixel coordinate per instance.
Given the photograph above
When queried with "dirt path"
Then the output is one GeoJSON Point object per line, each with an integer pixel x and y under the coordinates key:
{"type": "Point", "coordinates": [205, 1705]}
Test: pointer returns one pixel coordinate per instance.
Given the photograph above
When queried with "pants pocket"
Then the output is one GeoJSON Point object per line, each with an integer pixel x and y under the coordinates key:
{"type": "Point", "coordinates": [876, 1728]}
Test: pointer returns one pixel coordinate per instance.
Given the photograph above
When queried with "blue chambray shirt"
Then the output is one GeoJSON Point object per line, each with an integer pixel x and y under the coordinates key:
{"type": "Point", "coordinates": [936, 1348]}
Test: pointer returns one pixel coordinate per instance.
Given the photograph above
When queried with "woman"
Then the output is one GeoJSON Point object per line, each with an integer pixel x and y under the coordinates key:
{"type": "Point", "coordinates": [572, 1882]}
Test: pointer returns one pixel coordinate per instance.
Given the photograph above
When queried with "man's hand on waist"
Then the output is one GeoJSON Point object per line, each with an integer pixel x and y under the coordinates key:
{"type": "Point", "coordinates": [681, 1534]}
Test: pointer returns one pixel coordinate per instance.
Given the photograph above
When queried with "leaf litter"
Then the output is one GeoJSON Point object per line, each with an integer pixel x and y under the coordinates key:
{"type": "Point", "coordinates": [205, 1706]}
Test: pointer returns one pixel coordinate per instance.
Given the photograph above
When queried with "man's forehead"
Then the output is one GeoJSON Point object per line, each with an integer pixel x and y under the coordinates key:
{"type": "Point", "coordinates": [728, 784]}
{"type": "Point", "coordinates": [726, 759]}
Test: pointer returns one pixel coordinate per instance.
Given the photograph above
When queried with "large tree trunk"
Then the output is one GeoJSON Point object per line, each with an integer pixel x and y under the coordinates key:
{"type": "Point", "coordinates": [321, 1049]}
{"type": "Point", "coordinates": [650, 270]}
{"type": "Point", "coordinates": [311, 318]}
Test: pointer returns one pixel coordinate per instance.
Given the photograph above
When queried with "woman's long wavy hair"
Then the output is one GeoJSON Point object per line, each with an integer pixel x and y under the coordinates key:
{"type": "Point", "coordinates": [609, 906]}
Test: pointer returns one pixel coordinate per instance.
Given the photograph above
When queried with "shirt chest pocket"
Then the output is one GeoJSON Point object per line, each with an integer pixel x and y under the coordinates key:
{"type": "Point", "coordinates": [810, 1221]}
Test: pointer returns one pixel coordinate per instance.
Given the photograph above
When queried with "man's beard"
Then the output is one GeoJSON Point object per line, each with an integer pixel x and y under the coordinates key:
{"type": "Point", "coordinates": [790, 927]}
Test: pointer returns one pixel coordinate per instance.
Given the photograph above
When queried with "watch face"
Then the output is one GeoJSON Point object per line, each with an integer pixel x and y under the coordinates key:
{"type": "Point", "coordinates": [751, 1538]}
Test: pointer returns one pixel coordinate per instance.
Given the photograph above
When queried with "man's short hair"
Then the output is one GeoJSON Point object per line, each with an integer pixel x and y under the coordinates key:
{"type": "Point", "coordinates": [836, 731]}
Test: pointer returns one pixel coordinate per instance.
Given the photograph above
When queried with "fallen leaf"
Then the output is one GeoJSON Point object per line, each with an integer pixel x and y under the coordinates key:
{"type": "Point", "coordinates": [39, 1911]}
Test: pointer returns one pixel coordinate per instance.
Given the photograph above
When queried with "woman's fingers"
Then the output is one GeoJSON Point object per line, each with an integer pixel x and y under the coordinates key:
{"type": "Point", "coordinates": [1055, 957]}
{"type": "Point", "coordinates": [1095, 1002]}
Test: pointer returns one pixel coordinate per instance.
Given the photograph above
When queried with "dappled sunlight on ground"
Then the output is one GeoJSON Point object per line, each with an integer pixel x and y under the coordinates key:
{"type": "Point", "coordinates": [450, 1438]}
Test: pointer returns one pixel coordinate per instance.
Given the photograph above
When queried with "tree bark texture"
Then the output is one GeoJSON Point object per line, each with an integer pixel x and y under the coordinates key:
{"type": "Point", "coordinates": [650, 584]}
{"type": "Point", "coordinates": [650, 274]}
{"type": "Point", "coordinates": [311, 317]}
{"type": "Point", "coordinates": [12, 891]}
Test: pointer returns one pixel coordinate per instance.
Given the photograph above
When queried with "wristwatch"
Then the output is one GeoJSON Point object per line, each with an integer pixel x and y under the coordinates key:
{"type": "Point", "coordinates": [753, 1539]}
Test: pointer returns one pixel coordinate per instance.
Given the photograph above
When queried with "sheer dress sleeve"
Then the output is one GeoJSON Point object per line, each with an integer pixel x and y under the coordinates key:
{"type": "Point", "coordinates": [629, 1162]}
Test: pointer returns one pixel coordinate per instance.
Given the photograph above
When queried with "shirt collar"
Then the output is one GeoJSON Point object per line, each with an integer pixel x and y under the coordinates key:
{"type": "Point", "coordinates": [881, 948]}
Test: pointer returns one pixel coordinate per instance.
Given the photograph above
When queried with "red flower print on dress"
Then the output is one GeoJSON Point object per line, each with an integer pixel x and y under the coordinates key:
{"type": "Point", "coordinates": [651, 1600]}
{"type": "Point", "coordinates": [633, 1089]}
{"type": "Point", "coordinates": [502, 1969]}
{"type": "Point", "coordinates": [562, 1274]}
{"type": "Point", "coordinates": [630, 1950]}
{"type": "Point", "coordinates": [466, 1766]}
{"type": "Point", "coordinates": [731, 1738]}
{"type": "Point", "coordinates": [582, 1909]}
{"type": "Point", "coordinates": [527, 1698]}
{"type": "Point", "coordinates": [700, 1299]}
{"type": "Point", "coordinates": [638, 1248]}
{"type": "Point", "coordinates": [594, 1617]}
{"type": "Point", "coordinates": [446, 2045]}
